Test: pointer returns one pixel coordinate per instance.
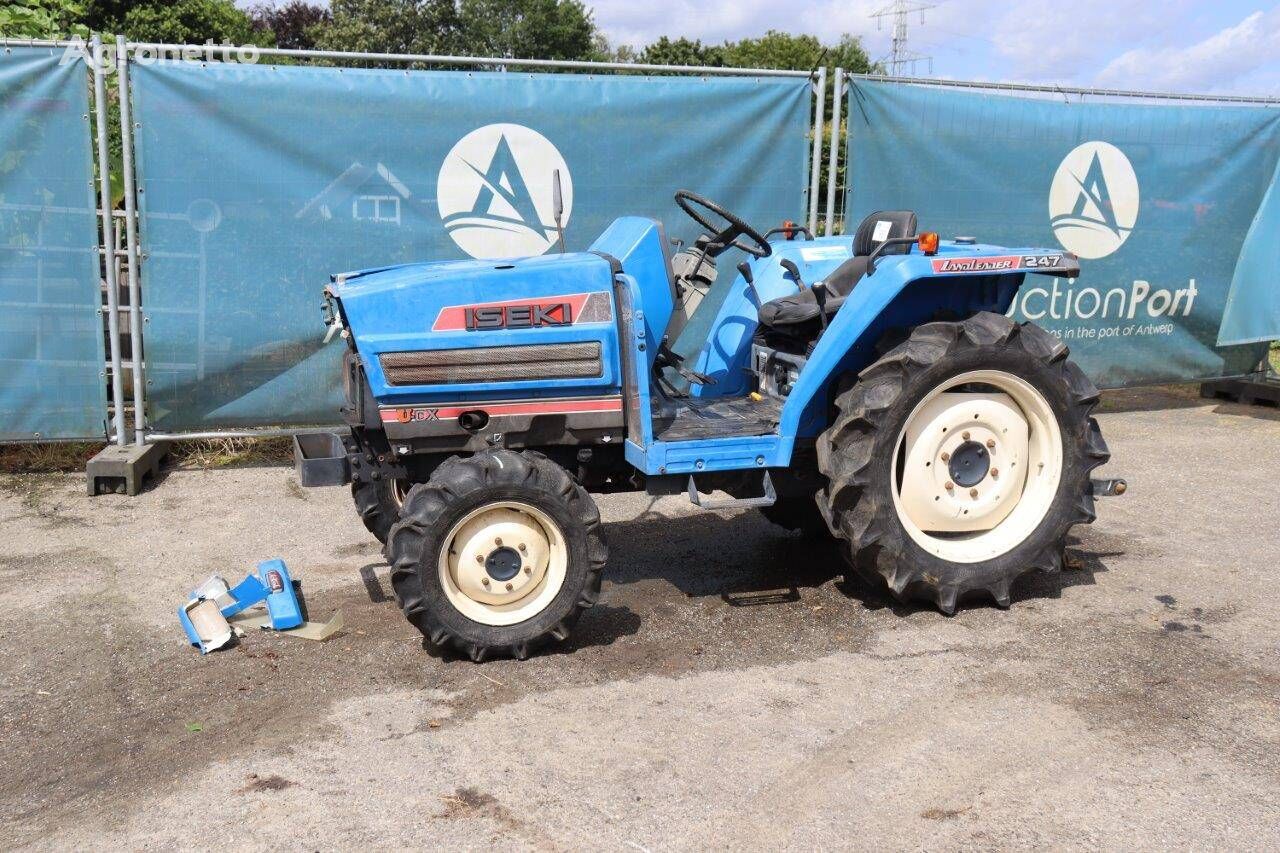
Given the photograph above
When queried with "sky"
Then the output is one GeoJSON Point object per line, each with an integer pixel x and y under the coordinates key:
{"type": "Point", "coordinates": [1192, 46]}
{"type": "Point", "coordinates": [1223, 47]}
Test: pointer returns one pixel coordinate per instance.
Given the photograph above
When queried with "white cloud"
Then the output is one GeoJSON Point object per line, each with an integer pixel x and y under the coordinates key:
{"type": "Point", "coordinates": [1235, 57]}
{"type": "Point", "coordinates": [1027, 40]}
{"type": "Point", "coordinates": [714, 21]}
{"type": "Point", "coordinates": [1043, 40]}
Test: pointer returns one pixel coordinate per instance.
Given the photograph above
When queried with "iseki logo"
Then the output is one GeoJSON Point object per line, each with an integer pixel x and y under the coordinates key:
{"type": "Point", "coordinates": [487, 317]}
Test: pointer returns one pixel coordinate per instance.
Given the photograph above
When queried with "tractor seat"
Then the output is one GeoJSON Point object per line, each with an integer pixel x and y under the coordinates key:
{"type": "Point", "coordinates": [796, 315]}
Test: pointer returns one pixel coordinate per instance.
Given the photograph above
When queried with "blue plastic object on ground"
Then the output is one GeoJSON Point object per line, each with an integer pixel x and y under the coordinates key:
{"type": "Point", "coordinates": [270, 583]}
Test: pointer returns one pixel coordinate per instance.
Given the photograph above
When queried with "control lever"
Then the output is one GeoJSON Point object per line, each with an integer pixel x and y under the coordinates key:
{"type": "Point", "coordinates": [744, 269]}
{"type": "Point", "coordinates": [667, 357]}
{"type": "Point", "coordinates": [820, 296]}
{"type": "Point", "coordinates": [790, 266]}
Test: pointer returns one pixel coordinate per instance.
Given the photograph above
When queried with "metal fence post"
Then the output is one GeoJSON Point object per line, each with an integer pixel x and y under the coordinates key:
{"type": "Point", "coordinates": [108, 232]}
{"type": "Point", "coordinates": [131, 243]}
{"type": "Point", "coordinates": [819, 113]}
{"type": "Point", "coordinates": [833, 165]}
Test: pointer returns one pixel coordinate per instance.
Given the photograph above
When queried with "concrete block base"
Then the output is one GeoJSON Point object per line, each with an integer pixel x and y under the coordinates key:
{"type": "Point", "coordinates": [124, 470]}
{"type": "Point", "coordinates": [1258, 391]}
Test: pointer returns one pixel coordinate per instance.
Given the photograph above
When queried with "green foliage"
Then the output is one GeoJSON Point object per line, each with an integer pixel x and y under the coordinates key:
{"type": "Point", "coordinates": [190, 22]}
{"type": "Point", "coordinates": [42, 19]}
{"type": "Point", "coordinates": [782, 50]}
{"type": "Point", "coordinates": [682, 51]}
{"type": "Point", "coordinates": [527, 29]}
{"type": "Point", "coordinates": [295, 25]}
{"type": "Point", "coordinates": [390, 26]}
{"type": "Point", "coordinates": [772, 50]}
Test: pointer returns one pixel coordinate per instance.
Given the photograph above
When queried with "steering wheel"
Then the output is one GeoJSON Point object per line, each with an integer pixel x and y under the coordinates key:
{"type": "Point", "coordinates": [721, 237]}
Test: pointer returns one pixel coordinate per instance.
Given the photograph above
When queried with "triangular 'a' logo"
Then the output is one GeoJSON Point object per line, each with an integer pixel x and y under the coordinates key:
{"type": "Point", "coordinates": [503, 193]}
{"type": "Point", "coordinates": [497, 192]}
{"type": "Point", "coordinates": [1094, 201]}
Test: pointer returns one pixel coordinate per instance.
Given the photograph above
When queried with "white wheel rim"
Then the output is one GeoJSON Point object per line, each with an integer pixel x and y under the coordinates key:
{"type": "Point", "coordinates": [503, 563]}
{"type": "Point", "coordinates": [976, 471]}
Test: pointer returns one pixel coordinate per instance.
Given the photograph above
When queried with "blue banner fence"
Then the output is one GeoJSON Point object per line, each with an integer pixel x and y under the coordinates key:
{"type": "Point", "coordinates": [51, 332]}
{"type": "Point", "coordinates": [254, 182]}
{"type": "Point", "coordinates": [1167, 204]}
{"type": "Point", "coordinates": [258, 181]}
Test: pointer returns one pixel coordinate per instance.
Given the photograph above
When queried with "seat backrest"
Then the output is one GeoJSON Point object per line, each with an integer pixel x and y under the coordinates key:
{"type": "Point", "coordinates": [884, 225]}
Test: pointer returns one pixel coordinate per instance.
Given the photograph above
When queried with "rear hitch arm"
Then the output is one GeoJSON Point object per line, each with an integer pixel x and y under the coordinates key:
{"type": "Point", "coordinates": [1108, 487]}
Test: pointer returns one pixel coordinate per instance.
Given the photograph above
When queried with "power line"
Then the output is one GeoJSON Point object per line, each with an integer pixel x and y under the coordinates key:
{"type": "Point", "coordinates": [900, 56]}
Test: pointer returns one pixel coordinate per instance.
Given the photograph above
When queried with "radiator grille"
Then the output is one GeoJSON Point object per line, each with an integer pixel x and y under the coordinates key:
{"type": "Point", "coordinates": [493, 364]}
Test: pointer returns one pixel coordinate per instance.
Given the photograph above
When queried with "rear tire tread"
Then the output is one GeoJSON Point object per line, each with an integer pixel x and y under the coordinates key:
{"type": "Point", "coordinates": [847, 452]}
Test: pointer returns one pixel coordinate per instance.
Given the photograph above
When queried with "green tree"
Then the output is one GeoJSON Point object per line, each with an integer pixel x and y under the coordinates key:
{"type": "Point", "coordinates": [174, 21]}
{"type": "Point", "coordinates": [295, 25]}
{"type": "Point", "coordinates": [527, 29]}
{"type": "Point", "coordinates": [192, 22]}
{"type": "Point", "coordinates": [518, 29]}
{"type": "Point", "coordinates": [782, 50]}
{"type": "Point", "coordinates": [42, 19]}
{"type": "Point", "coordinates": [603, 51]}
{"type": "Point", "coordinates": [682, 51]}
{"type": "Point", "coordinates": [391, 26]}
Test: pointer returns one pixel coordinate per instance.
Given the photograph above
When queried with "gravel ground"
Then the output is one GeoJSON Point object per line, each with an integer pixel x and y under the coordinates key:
{"type": "Point", "coordinates": [729, 691]}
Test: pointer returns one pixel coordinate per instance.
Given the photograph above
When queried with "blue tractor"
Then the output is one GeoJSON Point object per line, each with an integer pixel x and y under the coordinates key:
{"type": "Point", "coordinates": [871, 389]}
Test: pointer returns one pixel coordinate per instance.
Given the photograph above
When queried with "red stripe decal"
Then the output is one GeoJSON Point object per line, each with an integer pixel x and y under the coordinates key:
{"type": "Point", "coordinates": [497, 410]}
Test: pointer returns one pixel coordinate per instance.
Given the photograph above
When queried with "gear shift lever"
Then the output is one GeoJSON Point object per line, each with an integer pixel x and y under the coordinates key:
{"type": "Point", "coordinates": [790, 266]}
{"type": "Point", "coordinates": [820, 296]}
{"type": "Point", "coordinates": [744, 269]}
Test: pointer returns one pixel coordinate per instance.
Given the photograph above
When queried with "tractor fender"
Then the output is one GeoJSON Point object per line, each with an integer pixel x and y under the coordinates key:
{"type": "Point", "coordinates": [900, 294]}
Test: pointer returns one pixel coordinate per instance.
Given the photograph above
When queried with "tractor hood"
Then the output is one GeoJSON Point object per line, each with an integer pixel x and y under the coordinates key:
{"type": "Point", "coordinates": [495, 310]}
{"type": "Point", "coordinates": [409, 300]}
{"type": "Point", "coordinates": [459, 274]}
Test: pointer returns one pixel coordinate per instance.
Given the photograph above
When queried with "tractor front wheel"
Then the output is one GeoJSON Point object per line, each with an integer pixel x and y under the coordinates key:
{"type": "Point", "coordinates": [378, 502]}
{"type": "Point", "coordinates": [496, 554]}
{"type": "Point", "coordinates": [959, 460]}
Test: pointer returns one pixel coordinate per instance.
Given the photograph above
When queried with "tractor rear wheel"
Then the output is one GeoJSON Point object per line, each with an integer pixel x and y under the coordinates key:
{"type": "Point", "coordinates": [379, 503]}
{"type": "Point", "coordinates": [959, 460]}
{"type": "Point", "coordinates": [496, 554]}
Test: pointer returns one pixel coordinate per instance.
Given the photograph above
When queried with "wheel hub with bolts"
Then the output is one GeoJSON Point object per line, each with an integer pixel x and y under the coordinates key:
{"type": "Point", "coordinates": [969, 464]}
{"type": "Point", "coordinates": [502, 564]}
{"type": "Point", "coordinates": [498, 556]}
{"type": "Point", "coordinates": [980, 461]}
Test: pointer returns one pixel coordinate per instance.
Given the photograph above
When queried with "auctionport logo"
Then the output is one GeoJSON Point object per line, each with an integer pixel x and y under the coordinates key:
{"type": "Point", "coordinates": [495, 192]}
{"type": "Point", "coordinates": [1093, 202]}
{"type": "Point", "coordinates": [78, 50]}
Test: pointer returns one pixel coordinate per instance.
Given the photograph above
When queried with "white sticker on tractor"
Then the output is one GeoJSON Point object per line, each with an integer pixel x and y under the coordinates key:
{"type": "Point", "coordinates": [881, 232]}
{"type": "Point", "coordinates": [495, 192]}
{"type": "Point", "coordinates": [824, 253]}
